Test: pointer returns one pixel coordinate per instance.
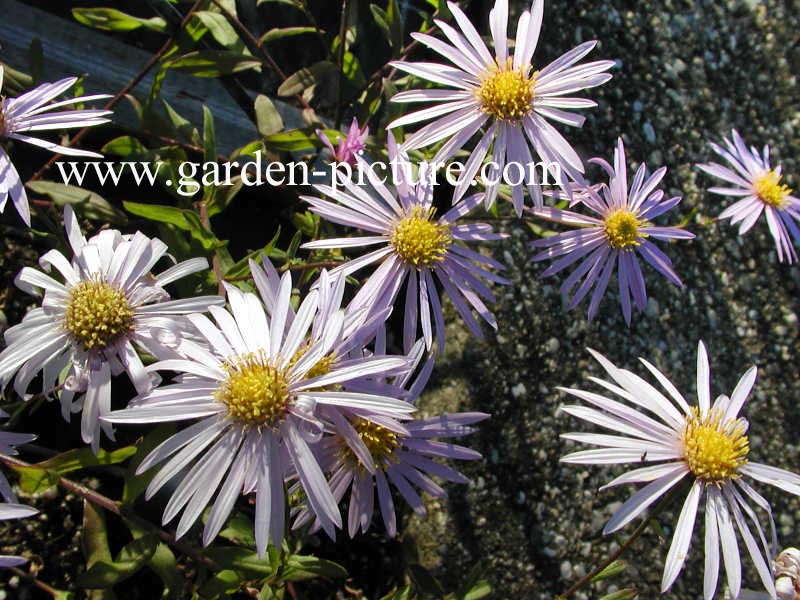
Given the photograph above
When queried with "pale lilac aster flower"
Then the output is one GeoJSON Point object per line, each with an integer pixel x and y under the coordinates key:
{"type": "Point", "coordinates": [706, 444]}
{"type": "Point", "coordinates": [369, 454]}
{"type": "Point", "coordinates": [367, 450]}
{"type": "Point", "coordinates": [256, 389]}
{"type": "Point", "coordinates": [415, 247]}
{"type": "Point", "coordinates": [31, 112]}
{"type": "Point", "coordinates": [504, 92]}
{"type": "Point", "coordinates": [10, 509]}
{"type": "Point", "coordinates": [760, 189]}
{"type": "Point", "coordinates": [107, 303]}
{"type": "Point", "coordinates": [621, 230]}
{"type": "Point", "coordinates": [349, 146]}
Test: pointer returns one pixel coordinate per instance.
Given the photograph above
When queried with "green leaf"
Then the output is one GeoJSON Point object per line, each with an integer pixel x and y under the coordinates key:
{"type": "Point", "coordinates": [110, 19]}
{"type": "Point", "coordinates": [240, 559]}
{"type": "Point", "coordinates": [221, 29]}
{"type": "Point", "coordinates": [44, 475]}
{"type": "Point", "coordinates": [94, 540]}
{"type": "Point", "coordinates": [225, 582]}
{"type": "Point", "coordinates": [213, 63]}
{"type": "Point", "coordinates": [135, 485]}
{"type": "Point", "coordinates": [268, 593]}
{"type": "Point", "coordinates": [482, 589]}
{"type": "Point", "coordinates": [351, 69]}
{"type": "Point", "coordinates": [623, 594]}
{"type": "Point", "coordinates": [299, 567]}
{"type": "Point", "coordinates": [424, 581]}
{"type": "Point", "coordinates": [305, 78]}
{"type": "Point", "coordinates": [199, 232]}
{"type": "Point", "coordinates": [181, 125]}
{"type": "Point", "coordinates": [241, 268]}
{"type": "Point", "coordinates": [474, 587]}
{"type": "Point", "coordinates": [124, 146]}
{"type": "Point", "coordinates": [268, 120]}
{"type": "Point", "coordinates": [209, 137]}
{"type": "Point", "coordinates": [394, 20]}
{"type": "Point", "coordinates": [160, 213]}
{"type": "Point", "coordinates": [381, 20]}
{"type": "Point", "coordinates": [239, 530]}
{"type": "Point", "coordinates": [94, 544]}
{"type": "Point", "coordinates": [615, 568]}
{"type": "Point", "coordinates": [295, 140]}
{"type": "Point", "coordinates": [283, 32]}
{"type": "Point", "coordinates": [92, 205]}
{"type": "Point", "coordinates": [133, 556]}
{"type": "Point", "coordinates": [404, 593]}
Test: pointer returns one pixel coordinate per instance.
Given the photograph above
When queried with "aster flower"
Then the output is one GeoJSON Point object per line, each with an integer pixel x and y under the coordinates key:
{"type": "Point", "coordinates": [257, 390]}
{"type": "Point", "coordinates": [349, 146]}
{"type": "Point", "coordinates": [108, 304]}
{"type": "Point", "coordinates": [31, 112]}
{"type": "Point", "coordinates": [706, 445]}
{"type": "Point", "coordinates": [10, 509]}
{"type": "Point", "coordinates": [621, 230]}
{"type": "Point", "coordinates": [415, 247]}
{"type": "Point", "coordinates": [503, 92]}
{"type": "Point", "coordinates": [365, 454]}
{"type": "Point", "coordinates": [760, 189]}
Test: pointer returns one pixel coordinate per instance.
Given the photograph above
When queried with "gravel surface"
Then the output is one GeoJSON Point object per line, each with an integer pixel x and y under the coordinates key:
{"type": "Point", "coordinates": [687, 72]}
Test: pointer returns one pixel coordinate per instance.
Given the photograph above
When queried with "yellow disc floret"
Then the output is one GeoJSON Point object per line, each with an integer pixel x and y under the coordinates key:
{"type": "Point", "coordinates": [322, 367]}
{"type": "Point", "coordinates": [622, 229]}
{"type": "Point", "coordinates": [418, 240]}
{"type": "Point", "coordinates": [506, 94]}
{"type": "Point", "coordinates": [255, 391]}
{"type": "Point", "coordinates": [380, 441]}
{"type": "Point", "coordinates": [770, 190]}
{"type": "Point", "coordinates": [97, 314]}
{"type": "Point", "coordinates": [715, 449]}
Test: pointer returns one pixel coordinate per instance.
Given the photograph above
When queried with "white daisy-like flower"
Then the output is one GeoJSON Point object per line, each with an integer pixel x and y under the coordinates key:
{"type": "Point", "coordinates": [10, 509]}
{"type": "Point", "coordinates": [257, 389]}
{"type": "Point", "coordinates": [108, 304]}
{"type": "Point", "coordinates": [32, 112]}
{"type": "Point", "coordinates": [506, 94]}
{"type": "Point", "coordinates": [706, 444]}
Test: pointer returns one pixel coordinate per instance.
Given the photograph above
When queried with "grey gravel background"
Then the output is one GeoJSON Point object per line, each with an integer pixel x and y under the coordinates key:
{"type": "Point", "coordinates": [687, 72]}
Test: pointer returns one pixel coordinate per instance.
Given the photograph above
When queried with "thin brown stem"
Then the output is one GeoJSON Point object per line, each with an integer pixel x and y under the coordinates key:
{"type": "Point", "coordinates": [252, 41]}
{"type": "Point", "coordinates": [124, 91]}
{"type": "Point", "coordinates": [340, 63]}
{"type": "Point", "coordinates": [35, 582]}
{"type": "Point", "coordinates": [206, 221]}
{"type": "Point", "coordinates": [116, 508]}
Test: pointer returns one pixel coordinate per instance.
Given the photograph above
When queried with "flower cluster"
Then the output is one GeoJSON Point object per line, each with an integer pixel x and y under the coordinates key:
{"type": "Point", "coordinates": [288, 387]}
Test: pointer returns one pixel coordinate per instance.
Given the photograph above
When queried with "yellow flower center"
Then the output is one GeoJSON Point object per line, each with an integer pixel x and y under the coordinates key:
{"type": "Point", "coordinates": [418, 240]}
{"type": "Point", "coordinates": [506, 94]}
{"type": "Point", "coordinates": [97, 314]}
{"type": "Point", "coordinates": [622, 229]}
{"type": "Point", "coordinates": [255, 391]}
{"type": "Point", "coordinates": [322, 367]}
{"type": "Point", "coordinates": [770, 190]}
{"type": "Point", "coordinates": [381, 443]}
{"type": "Point", "coordinates": [714, 450]}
